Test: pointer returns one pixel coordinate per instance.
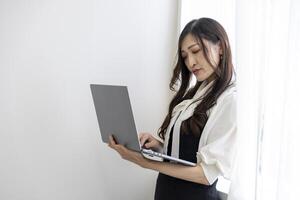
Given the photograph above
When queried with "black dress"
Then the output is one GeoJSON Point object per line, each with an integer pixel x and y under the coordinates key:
{"type": "Point", "coordinates": [171, 188]}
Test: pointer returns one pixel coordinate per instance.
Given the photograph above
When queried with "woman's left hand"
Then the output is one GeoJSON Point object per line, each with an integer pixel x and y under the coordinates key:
{"type": "Point", "coordinates": [127, 154]}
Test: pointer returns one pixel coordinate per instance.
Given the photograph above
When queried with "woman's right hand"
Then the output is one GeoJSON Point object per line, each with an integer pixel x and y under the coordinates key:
{"type": "Point", "coordinates": [149, 142]}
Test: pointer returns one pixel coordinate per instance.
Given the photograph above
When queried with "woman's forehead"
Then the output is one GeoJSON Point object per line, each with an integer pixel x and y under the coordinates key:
{"type": "Point", "coordinates": [189, 41]}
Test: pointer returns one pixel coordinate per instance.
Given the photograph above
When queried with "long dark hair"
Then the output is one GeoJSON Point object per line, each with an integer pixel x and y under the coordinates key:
{"type": "Point", "coordinates": [211, 30]}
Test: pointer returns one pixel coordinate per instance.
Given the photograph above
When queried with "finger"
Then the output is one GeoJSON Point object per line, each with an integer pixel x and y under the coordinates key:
{"type": "Point", "coordinates": [150, 144]}
{"type": "Point", "coordinates": [112, 143]}
{"type": "Point", "coordinates": [112, 140]}
{"type": "Point", "coordinates": [141, 135]}
{"type": "Point", "coordinates": [144, 139]}
{"type": "Point", "coordinates": [109, 142]}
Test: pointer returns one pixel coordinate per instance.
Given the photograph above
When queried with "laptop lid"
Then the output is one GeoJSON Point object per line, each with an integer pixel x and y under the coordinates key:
{"type": "Point", "coordinates": [114, 114]}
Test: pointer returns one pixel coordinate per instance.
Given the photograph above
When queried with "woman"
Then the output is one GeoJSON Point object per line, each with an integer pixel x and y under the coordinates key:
{"type": "Point", "coordinates": [201, 123]}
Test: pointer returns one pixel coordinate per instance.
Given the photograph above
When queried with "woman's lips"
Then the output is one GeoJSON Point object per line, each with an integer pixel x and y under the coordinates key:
{"type": "Point", "coordinates": [196, 71]}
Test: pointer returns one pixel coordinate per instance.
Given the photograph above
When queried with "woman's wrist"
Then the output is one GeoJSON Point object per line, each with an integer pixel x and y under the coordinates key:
{"type": "Point", "coordinates": [148, 164]}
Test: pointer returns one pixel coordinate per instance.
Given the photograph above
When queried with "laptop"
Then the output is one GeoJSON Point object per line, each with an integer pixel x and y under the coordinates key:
{"type": "Point", "coordinates": [115, 116]}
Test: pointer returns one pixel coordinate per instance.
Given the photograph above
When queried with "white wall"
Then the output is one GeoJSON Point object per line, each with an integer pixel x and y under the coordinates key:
{"type": "Point", "coordinates": [50, 51]}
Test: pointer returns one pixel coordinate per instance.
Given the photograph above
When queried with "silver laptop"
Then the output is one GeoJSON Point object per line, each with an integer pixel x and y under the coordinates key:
{"type": "Point", "coordinates": [115, 117]}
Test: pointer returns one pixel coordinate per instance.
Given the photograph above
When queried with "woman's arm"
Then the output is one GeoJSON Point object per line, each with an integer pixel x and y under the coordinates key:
{"type": "Point", "coordinates": [193, 174]}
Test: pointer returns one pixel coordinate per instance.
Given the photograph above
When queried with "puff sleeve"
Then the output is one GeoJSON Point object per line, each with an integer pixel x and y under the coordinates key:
{"type": "Point", "coordinates": [217, 146]}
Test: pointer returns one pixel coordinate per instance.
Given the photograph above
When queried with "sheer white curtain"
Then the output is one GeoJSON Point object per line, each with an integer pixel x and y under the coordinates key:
{"type": "Point", "coordinates": [278, 163]}
{"type": "Point", "coordinates": [267, 33]}
{"type": "Point", "coordinates": [266, 49]}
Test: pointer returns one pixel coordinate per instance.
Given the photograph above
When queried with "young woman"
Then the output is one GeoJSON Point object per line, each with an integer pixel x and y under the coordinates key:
{"type": "Point", "coordinates": [201, 123]}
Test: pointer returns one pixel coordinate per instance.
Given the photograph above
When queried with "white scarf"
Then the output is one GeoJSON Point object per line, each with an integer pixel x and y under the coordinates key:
{"type": "Point", "coordinates": [181, 112]}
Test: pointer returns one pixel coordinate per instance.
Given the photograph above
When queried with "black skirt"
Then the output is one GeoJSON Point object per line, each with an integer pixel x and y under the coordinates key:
{"type": "Point", "coordinates": [171, 188]}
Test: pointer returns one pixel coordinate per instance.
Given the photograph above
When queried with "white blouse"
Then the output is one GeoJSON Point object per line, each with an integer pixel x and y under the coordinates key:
{"type": "Point", "coordinates": [217, 145]}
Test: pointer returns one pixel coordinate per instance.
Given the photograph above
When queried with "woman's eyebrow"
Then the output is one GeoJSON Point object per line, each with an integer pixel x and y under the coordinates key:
{"type": "Point", "coordinates": [191, 46]}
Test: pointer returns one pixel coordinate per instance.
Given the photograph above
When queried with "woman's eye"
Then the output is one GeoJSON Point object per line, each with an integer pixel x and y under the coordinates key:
{"type": "Point", "coordinates": [196, 51]}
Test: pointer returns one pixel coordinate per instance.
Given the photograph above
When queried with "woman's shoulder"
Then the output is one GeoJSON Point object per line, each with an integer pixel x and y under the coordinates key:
{"type": "Point", "coordinates": [229, 93]}
{"type": "Point", "coordinates": [227, 98]}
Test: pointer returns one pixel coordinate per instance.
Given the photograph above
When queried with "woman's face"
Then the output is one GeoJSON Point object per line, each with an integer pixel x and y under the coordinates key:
{"type": "Point", "coordinates": [194, 59]}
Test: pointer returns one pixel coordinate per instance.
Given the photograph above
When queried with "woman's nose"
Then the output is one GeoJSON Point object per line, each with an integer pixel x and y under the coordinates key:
{"type": "Point", "coordinates": [191, 61]}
